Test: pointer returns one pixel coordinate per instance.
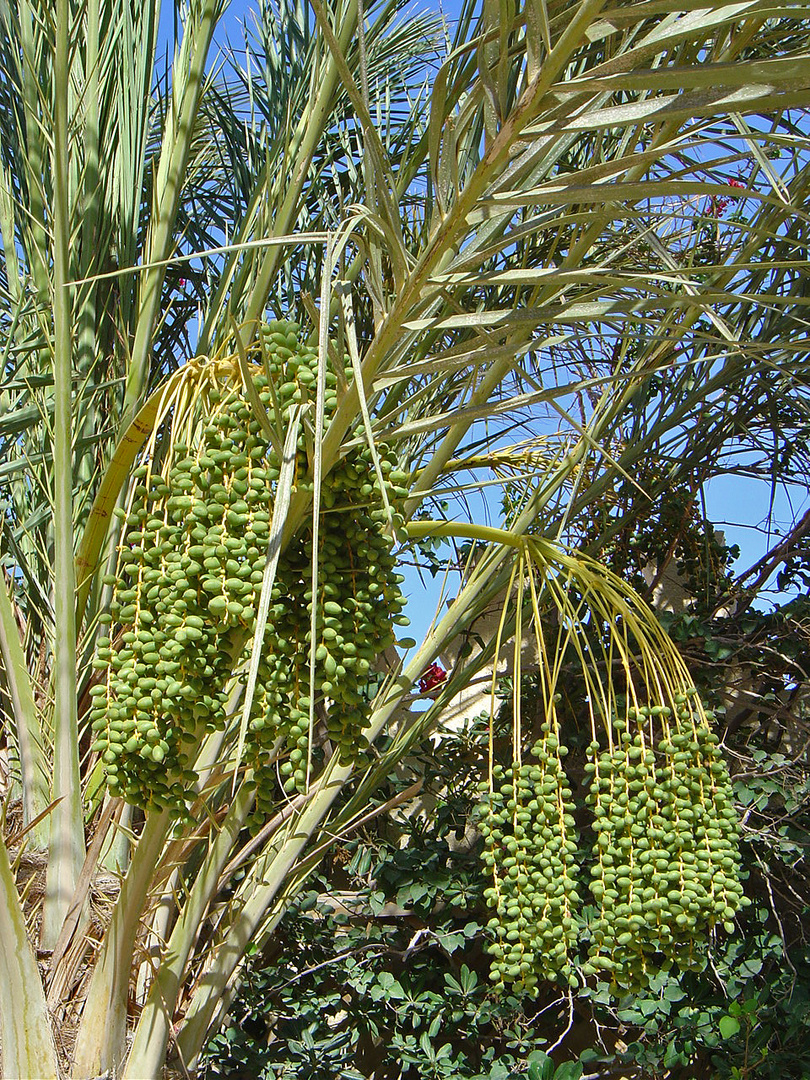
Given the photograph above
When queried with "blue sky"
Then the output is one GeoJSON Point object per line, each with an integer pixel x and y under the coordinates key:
{"type": "Point", "coordinates": [240, 14]}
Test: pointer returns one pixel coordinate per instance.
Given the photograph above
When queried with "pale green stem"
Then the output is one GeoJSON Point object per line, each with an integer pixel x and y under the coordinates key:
{"type": "Point", "coordinates": [273, 869]}
{"type": "Point", "coordinates": [67, 850]}
{"type": "Point", "coordinates": [25, 1027]}
{"type": "Point", "coordinates": [262, 934]}
{"type": "Point", "coordinates": [311, 136]}
{"type": "Point", "coordinates": [148, 1050]}
{"type": "Point", "coordinates": [101, 1039]}
{"type": "Point", "coordinates": [133, 103]}
{"type": "Point", "coordinates": [8, 234]}
{"type": "Point", "coordinates": [90, 238]}
{"type": "Point", "coordinates": [38, 255]}
{"type": "Point", "coordinates": [189, 72]}
{"type": "Point", "coordinates": [465, 530]}
{"type": "Point", "coordinates": [153, 941]}
{"type": "Point", "coordinates": [28, 734]}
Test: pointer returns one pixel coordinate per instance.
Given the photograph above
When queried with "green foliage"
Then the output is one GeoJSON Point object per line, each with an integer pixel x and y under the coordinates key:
{"type": "Point", "coordinates": [541, 1067]}
{"type": "Point", "coordinates": [380, 964]}
{"type": "Point", "coordinates": [749, 1016]}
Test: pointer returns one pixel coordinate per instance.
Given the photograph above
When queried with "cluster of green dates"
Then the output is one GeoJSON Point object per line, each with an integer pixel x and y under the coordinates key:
{"type": "Point", "coordinates": [359, 601]}
{"type": "Point", "coordinates": [188, 582]}
{"type": "Point", "coordinates": [530, 848]}
{"type": "Point", "coordinates": [664, 862]}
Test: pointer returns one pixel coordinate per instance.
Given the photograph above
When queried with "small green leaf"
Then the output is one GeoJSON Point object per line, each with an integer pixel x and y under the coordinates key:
{"type": "Point", "coordinates": [541, 1067]}
{"type": "Point", "coordinates": [728, 1026]}
{"type": "Point", "coordinates": [569, 1070]}
{"type": "Point", "coordinates": [451, 941]}
{"type": "Point", "coordinates": [749, 968]}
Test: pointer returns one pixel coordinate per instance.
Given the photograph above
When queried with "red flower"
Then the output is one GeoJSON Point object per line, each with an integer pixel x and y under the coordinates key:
{"type": "Point", "coordinates": [432, 677]}
{"type": "Point", "coordinates": [718, 204]}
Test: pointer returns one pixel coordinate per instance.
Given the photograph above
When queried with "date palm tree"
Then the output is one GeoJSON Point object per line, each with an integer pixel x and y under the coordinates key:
{"type": "Point", "coordinates": [567, 241]}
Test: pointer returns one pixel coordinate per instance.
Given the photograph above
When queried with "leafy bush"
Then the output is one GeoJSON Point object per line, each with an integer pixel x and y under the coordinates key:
{"type": "Point", "coordinates": [380, 967]}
